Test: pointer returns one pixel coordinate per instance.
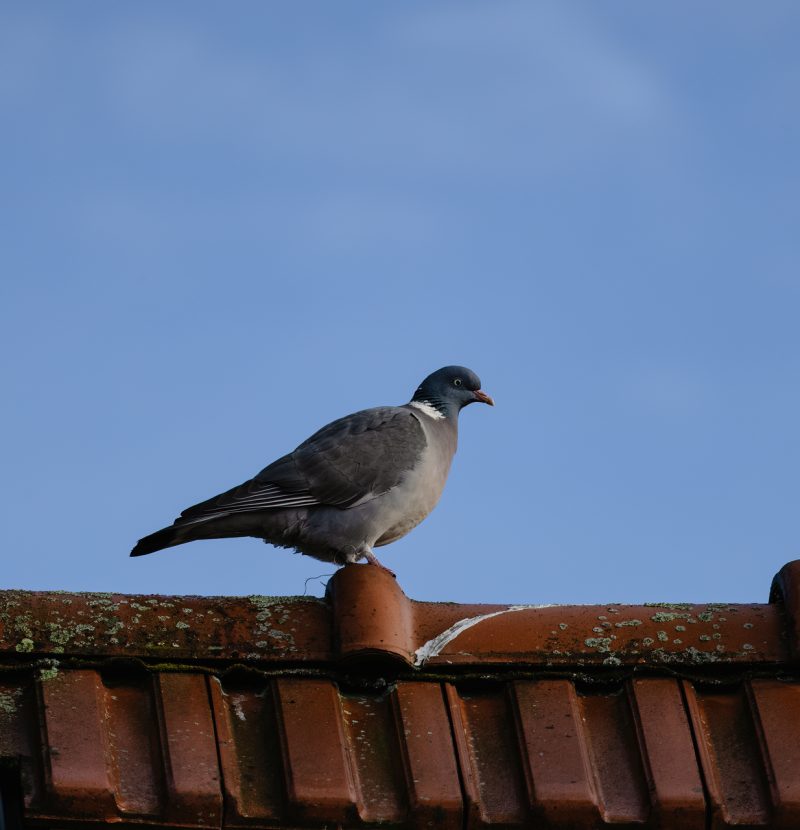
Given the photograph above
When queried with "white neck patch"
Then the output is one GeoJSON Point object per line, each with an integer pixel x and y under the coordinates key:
{"type": "Point", "coordinates": [430, 411]}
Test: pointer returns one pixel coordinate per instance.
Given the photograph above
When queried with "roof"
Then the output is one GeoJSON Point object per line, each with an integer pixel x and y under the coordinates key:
{"type": "Point", "coordinates": [369, 707]}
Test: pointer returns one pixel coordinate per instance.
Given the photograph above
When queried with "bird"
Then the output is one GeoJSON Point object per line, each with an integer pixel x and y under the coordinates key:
{"type": "Point", "coordinates": [358, 483]}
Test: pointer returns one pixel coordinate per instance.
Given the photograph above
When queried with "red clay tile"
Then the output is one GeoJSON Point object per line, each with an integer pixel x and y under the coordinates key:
{"type": "Point", "coordinates": [134, 747]}
{"type": "Point", "coordinates": [189, 750]}
{"type": "Point", "coordinates": [488, 752]}
{"type": "Point", "coordinates": [250, 753]}
{"type": "Point", "coordinates": [295, 629]}
{"type": "Point", "coordinates": [615, 757]}
{"type": "Point", "coordinates": [785, 592]}
{"type": "Point", "coordinates": [668, 754]}
{"type": "Point", "coordinates": [558, 771]}
{"type": "Point", "coordinates": [696, 635]}
{"type": "Point", "coordinates": [75, 768]}
{"type": "Point", "coordinates": [319, 783]}
{"type": "Point", "coordinates": [375, 761]}
{"type": "Point", "coordinates": [730, 756]}
{"type": "Point", "coordinates": [475, 735]}
{"type": "Point", "coordinates": [777, 707]}
{"type": "Point", "coordinates": [427, 749]}
{"type": "Point", "coordinates": [372, 616]}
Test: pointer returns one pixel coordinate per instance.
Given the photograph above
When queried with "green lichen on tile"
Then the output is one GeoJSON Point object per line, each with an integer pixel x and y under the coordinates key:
{"type": "Point", "coordinates": [139, 607]}
{"type": "Point", "coordinates": [647, 641]}
{"type": "Point", "coordinates": [48, 672]}
{"type": "Point", "coordinates": [690, 655]}
{"type": "Point", "coordinates": [602, 644]}
{"type": "Point", "coordinates": [626, 623]}
{"type": "Point", "coordinates": [114, 625]}
{"type": "Point", "coordinates": [670, 616]}
{"type": "Point", "coordinates": [678, 606]}
{"type": "Point", "coordinates": [662, 636]}
{"type": "Point", "coordinates": [275, 611]}
{"type": "Point", "coordinates": [563, 626]}
{"type": "Point", "coordinates": [182, 624]}
{"type": "Point", "coordinates": [24, 645]}
{"type": "Point", "coordinates": [57, 634]}
{"type": "Point", "coordinates": [23, 625]}
{"type": "Point", "coordinates": [8, 703]}
{"type": "Point", "coordinates": [285, 636]}
{"type": "Point", "coordinates": [270, 608]}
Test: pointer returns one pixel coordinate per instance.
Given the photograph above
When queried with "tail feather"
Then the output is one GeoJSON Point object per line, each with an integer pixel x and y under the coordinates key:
{"type": "Point", "coordinates": [166, 538]}
{"type": "Point", "coordinates": [214, 527]}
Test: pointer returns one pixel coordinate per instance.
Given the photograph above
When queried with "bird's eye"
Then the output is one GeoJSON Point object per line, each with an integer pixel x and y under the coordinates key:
{"type": "Point", "coordinates": [457, 382]}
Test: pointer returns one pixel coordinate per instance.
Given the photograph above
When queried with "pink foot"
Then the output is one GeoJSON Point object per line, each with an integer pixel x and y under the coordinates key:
{"type": "Point", "coordinates": [373, 560]}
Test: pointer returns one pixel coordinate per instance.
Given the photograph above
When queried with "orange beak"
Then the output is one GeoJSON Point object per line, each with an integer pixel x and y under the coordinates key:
{"type": "Point", "coordinates": [481, 396]}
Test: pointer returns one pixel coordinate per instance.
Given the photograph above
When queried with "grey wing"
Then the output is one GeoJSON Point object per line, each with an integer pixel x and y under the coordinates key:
{"type": "Point", "coordinates": [361, 456]}
{"type": "Point", "coordinates": [346, 462]}
{"type": "Point", "coordinates": [278, 486]}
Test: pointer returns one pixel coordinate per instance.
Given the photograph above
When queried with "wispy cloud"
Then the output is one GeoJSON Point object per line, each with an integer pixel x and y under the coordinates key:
{"type": "Point", "coordinates": [515, 87]}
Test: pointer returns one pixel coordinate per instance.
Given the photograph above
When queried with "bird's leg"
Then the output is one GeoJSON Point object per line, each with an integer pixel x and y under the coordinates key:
{"type": "Point", "coordinates": [367, 553]}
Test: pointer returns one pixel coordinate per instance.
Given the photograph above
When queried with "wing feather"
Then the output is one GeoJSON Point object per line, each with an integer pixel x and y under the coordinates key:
{"type": "Point", "coordinates": [360, 456]}
{"type": "Point", "coordinates": [347, 462]}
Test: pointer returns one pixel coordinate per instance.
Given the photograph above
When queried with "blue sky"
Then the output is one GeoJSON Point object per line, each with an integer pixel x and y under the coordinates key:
{"type": "Point", "coordinates": [222, 230]}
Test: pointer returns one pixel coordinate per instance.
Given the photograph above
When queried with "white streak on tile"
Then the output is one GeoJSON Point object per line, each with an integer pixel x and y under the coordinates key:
{"type": "Point", "coordinates": [435, 646]}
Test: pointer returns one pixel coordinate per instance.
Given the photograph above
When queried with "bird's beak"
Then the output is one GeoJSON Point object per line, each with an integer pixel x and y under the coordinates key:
{"type": "Point", "coordinates": [481, 396]}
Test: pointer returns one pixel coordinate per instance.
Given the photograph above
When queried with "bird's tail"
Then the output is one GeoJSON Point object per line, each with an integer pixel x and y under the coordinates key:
{"type": "Point", "coordinates": [168, 537]}
{"type": "Point", "coordinates": [212, 527]}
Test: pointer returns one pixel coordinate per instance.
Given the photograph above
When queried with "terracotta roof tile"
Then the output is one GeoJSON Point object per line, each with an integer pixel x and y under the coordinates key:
{"type": "Point", "coordinates": [371, 708]}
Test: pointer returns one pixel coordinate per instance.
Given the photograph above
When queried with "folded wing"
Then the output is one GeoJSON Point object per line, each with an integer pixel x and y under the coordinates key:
{"type": "Point", "coordinates": [346, 463]}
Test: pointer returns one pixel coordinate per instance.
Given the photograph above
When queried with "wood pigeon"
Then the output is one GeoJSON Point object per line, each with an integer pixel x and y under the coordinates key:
{"type": "Point", "coordinates": [360, 482]}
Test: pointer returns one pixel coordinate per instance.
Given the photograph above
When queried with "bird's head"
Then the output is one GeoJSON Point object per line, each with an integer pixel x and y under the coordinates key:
{"type": "Point", "coordinates": [450, 389]}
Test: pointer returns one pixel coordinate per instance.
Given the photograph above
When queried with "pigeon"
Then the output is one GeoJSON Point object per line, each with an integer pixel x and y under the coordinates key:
{"type": "Point", "coordinates": [358, 483]}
